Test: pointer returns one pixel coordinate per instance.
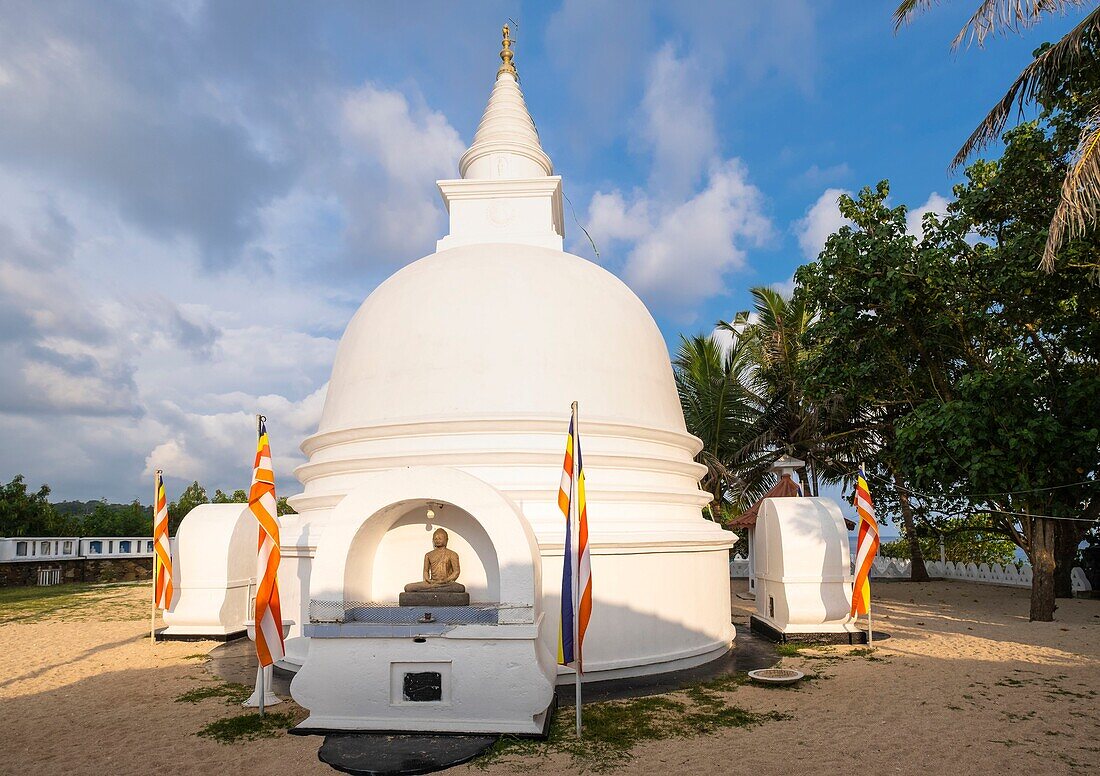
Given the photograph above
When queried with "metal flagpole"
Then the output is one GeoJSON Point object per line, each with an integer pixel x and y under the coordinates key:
{"type": "Point", "coordinates": [255, 620]}
{"type": "Point", "coordinates": [574, 529]}
{"type": "Point", "coordinates": [870, 628]}
{"type": "Point", "coordinates": [153, 607]}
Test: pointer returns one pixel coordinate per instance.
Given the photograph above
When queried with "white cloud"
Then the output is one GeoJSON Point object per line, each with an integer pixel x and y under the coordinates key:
{"type": "Point", "coordinates": [611, 218]}
{"type": "Point", "coordinates": [822, 219]}
{"type": "Point", "coordinates": [784, 288]}
{"type": "Point", "coordinates": [690, 247]}
{"type": "Point", "coordinates": [934, 204]}
{"type": "Point", "coordinates": [690, 227]}
{"type": "Point", "coordinates": [380, 127]}
{"type": "Point", "coordinates": [678, 123]}
{"type": "Point", "coordinates": [816, 176]}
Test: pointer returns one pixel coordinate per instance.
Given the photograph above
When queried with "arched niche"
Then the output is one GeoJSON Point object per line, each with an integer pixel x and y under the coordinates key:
{"type": "Point", "coordinates": [398, 557]}
{"type": "Point", "coordinates": [377, 536]}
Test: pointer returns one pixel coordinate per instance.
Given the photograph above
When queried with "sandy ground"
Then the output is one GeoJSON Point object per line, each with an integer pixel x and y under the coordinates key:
{"type": "Point", "coordinates": [965, 685]}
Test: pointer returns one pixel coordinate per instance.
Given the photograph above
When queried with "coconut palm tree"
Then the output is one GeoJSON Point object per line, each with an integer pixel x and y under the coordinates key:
{"type": "Point", "coordinates": [1079, 207]}
{"type": "Point", "coordinates": [787, 423]}
{"type": "Point", "coordinates": [712, 380]}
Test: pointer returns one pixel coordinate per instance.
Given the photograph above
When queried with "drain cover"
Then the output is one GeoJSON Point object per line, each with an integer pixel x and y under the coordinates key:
{"type": "Point", "coordinates": [776, 675]}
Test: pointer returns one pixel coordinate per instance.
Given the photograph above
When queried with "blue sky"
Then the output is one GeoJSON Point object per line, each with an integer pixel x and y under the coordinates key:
{"type": "Point", "coordinates": [196, 197]}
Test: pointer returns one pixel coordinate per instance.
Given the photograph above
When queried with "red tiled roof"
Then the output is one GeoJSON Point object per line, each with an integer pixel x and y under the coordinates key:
{"type": "Point", "coordinates": [785, 488]}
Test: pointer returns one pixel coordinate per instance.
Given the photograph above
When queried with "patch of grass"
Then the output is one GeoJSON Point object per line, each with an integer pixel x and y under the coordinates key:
{"type": "Point", "coordinates": [232, 692]}
{"type": "Point", "coordinates": [789, 649]}
{"type": "Point", "coordinates": [249, 727]}
{"type": "Point", "coordinates": [866, 652]}
{"type": "Point", "coordinates": [196, 656]}
{"type": "Point", "coordinates": [613, 728]}
{"type": "Point", "coordinates": [75, 602]}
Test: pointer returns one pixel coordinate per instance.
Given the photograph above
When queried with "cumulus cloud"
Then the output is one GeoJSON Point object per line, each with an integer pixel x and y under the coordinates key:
{"type": "Point", "coordinates": [678, 123]}
{"type": "Point", "coordinates": [774, 42]}
{"type": "Point", "coordinates": [913, 219]}
{"type": "Point", "coordinates": [681, 236]}
{"type": "Point", "coordinates": [690, 247]}
{"type": "Point", "coordinates": [412, 146]}
{"type": "Point", "coordinates": [816, 176]}
{"type": "Point", "coordinates": [822, 219]}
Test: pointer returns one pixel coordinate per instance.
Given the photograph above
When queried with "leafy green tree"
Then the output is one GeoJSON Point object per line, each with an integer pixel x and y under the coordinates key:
{"type": "Point", "coordinates": [879, 345]}
{"type": "Point", "coordinates": [193, 495]}
{"type": "Point", "coordinates": [965, 540]}
{"type": "Point", "coordinates": [131, 519]}
{"type": "Point", "coordinates": [27, 513]}
{"type": "Point", "coordinates": [976, 373]}
{"type": "Point", "coordinates": [238, 496]}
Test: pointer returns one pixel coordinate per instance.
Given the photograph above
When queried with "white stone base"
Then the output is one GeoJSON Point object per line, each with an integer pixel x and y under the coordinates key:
{"type": "Point", "coordinates": [270, 698]}
{"type": "Point", "coordinates": [489, 685]}
{"type": "Point", "coordinates": [801, 628]}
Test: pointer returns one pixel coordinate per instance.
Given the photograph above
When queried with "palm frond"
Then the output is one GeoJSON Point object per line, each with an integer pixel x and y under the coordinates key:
{"type": "Point", "coordinates": [992, 16]}
{"type": "Point", "coordinates": [1043, 74]}
{"type": "Point", "coordinates": [1079, 206]}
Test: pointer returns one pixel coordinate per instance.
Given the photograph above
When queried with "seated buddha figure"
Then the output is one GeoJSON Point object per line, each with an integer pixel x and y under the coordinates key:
{"type": "Point", "coordinates": [441, 569]}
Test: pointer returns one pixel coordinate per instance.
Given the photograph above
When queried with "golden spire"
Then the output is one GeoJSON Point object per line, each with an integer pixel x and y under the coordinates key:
{"type": "Point", "coordinates": [506, 55]}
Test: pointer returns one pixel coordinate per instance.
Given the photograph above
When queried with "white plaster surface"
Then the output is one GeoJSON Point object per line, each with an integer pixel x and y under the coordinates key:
{"type": "Point", "coordinates": [803, 570]}
{"type": "Point", "coordinates": [214, 568]}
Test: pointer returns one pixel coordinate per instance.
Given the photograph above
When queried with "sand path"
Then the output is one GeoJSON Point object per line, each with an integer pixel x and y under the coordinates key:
{"type": "Point", "coordinates": [965, 684]}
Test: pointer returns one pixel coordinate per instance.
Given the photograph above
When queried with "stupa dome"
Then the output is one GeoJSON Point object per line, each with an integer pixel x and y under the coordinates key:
{"type": "Point", "coordinates": [501, 331]}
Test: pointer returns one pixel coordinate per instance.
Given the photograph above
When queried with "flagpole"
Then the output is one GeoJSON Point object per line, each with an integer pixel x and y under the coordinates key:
{"type": "Point", "coordinates": [575, 529]}
{"type": "Point", "coordinates": [153, 607]}
{"type": "Point", "coordinates": [256, 623]}
{"type": "Point", "coordinates": [870, 627]}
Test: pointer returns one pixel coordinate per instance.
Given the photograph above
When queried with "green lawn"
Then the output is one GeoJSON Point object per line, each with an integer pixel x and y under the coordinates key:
{"type": "Point", "coordinates": [118, 601]}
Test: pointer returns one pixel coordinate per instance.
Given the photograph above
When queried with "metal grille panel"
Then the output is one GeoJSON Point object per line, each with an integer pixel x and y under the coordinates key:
{"type": "Point", "coordinates": [376, 613]}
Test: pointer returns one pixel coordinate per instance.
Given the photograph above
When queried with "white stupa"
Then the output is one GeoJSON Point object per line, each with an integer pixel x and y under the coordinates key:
{"type": "Point", "coordinates": [448, 406]}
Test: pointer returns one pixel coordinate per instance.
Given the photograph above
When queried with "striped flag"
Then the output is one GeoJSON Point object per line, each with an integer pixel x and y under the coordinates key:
{"type": "Point", "coordinates": [162, 548]}
{"type": "Point", "coordinates": [866, 547]}
{"type": "Point", "coordinates": [261, 501]}
{"type": "Point", "coordinates": [576, 577]}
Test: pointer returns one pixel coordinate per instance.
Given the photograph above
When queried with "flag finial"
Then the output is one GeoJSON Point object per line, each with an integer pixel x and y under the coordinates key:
{"type": "Point", "coordinates": [506, 53]}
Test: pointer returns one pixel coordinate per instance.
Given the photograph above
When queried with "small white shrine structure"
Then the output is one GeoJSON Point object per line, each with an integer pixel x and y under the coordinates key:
{"type": "Point", "coordinates": [785, 468]}
{"type": "Point", "coordinates": [214, 572]}
{"type": "Point", "coordinates": [802, 568]}
{"type": "Point", "coordinates": [448, 407]}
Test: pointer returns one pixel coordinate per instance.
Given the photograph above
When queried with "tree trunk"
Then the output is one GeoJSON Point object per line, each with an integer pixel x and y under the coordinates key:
{"type": "Point", "coordinates": [1066, 538]}
{"type": "Point", "coordinates": [918, 572]}
{"type": "Point", "coordinates": [1041, 556]}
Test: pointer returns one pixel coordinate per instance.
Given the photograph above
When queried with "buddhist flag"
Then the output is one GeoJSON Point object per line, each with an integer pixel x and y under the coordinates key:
{"type": "Point", "coordinates": [866, 547]}
{"type": "Point", "coordinates": [576, 577]}
{"type": "Point", "coordinates": [261, 502]}
{"type": "Point", "coordinates": [162, 548]}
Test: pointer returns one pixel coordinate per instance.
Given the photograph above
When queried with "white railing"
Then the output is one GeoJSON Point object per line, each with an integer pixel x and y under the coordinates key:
{"type": "Point", "coordinates": [48, 577]}
{"type": "Point", "coordinates": [29, 548]}
{"type": "Point", "coordinates": [898, 568]}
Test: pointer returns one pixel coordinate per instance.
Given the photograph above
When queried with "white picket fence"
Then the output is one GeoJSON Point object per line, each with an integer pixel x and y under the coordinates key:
{"type": "Point", "coordinates": [898, 568]}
